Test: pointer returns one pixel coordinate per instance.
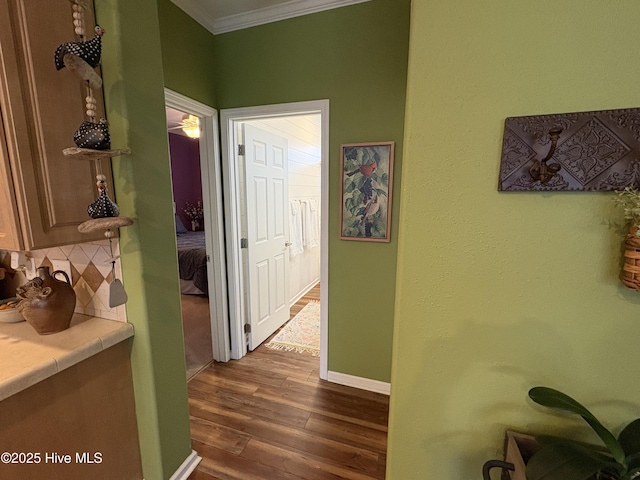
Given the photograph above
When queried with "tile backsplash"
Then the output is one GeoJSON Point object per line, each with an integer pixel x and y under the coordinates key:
{"type": "Point", "coordinates": [91, 275]}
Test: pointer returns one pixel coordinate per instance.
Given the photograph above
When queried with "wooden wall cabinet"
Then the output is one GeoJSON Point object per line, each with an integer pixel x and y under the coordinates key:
{"type": "Point", "coordinates": [43, 194]}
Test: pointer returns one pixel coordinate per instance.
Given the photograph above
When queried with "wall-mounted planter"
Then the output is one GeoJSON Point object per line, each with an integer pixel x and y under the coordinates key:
{"type": "Point", "coordinates": [630, 275]}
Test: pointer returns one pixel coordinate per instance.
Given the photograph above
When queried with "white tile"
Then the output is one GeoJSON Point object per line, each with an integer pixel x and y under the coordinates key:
{"type": "Point", "coordinates": [101, 298]}
{"type": "Point", "coordinates": [66, 249]}
{"type": "Point", "coordinates": [108, 314]}
{"type": "Point", "coordinates": [72, 357]}
{"type": "Point", "coordinates": [89, 249]}
{"type": "Point", "coordinates": [101, 242]}
{"type": "Point", "coordinates": [78, 258]}
{"type": "Point", "coordinates": [118, 269]}
{"type": "Point", "coordinates": [38, 256]}
{"type": "Point", "coordinates": [115, 336]}
{"type": "Point", "coordinates": [122, 313]}
{"type": "Point", "coordinates": [100, 261]}
{"type": "Point", "coordinates": [56, 253]}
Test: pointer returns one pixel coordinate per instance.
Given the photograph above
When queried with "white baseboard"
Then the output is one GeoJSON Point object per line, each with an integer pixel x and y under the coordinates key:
{"type": "Point", "coordinates": [303, 292]}
{"type": "Point", "coordinates": [188, 466]}
{"type": "Point", "coordinates": [359, 382]}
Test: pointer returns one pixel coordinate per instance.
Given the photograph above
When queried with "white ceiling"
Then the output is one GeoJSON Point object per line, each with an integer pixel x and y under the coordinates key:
{"type": "Point", "coordinates": [222, 16]}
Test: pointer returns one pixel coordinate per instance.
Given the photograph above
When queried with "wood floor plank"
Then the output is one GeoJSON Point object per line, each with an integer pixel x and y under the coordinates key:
{"type": "Point", "coordinates": [201, 475]}
{"type": "Point", "coordinates": [269, 417]}
{"type": "Point", "coordinates": [225, 466]}
{"type": "Point", "coordinates": [323, 405]}
{"type": "Point", "coordinates": [210, 377]}
{"type": "Point", "coordinates": [290, 368]}
{"type": "Point", "coordinates": [229, 439]}
{"type": "Point", "coordinates": [301, 464]}
{"type": "Point", "coordinates": [254, 406]}
{"type": "Point", "coordinates": [239, 370]}
{"type": "Point", "coordinates": [377, 401]}
{"type": "Point", "coordinates": [341, 430]}
{"type": "Point", "coordinates": [304, 441]}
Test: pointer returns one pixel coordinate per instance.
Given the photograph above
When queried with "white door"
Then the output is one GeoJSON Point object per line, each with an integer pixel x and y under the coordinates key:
{"type": "Point", "coordinates": [266, 180]}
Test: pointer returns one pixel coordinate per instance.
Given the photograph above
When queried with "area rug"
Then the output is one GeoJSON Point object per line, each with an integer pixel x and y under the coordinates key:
{"type": "Point", "coordinates": [301, 333]}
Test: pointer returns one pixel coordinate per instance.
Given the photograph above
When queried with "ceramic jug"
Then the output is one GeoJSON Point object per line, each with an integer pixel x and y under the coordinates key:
{"type": "Point", "coordinates": [47, 303]}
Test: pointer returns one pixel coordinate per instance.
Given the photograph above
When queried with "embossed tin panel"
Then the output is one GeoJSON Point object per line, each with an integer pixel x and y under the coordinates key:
{"type": "Point", "coordinates": [594, 151]}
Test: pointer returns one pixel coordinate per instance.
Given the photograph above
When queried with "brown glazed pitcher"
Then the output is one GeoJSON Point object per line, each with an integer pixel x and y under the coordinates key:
{"type": "Point", "coordinates": [46, 302]}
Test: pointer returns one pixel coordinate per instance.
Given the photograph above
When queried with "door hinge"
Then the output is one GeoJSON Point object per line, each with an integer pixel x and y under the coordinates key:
{"type": "Point", "coordinates": [240, 149]}
{"type": "Point", "coordinates": [247, 328]}
{"type": "Point", "coordinates": [244, 243]}
{"type": "Point", "coordinates": [208, 258]}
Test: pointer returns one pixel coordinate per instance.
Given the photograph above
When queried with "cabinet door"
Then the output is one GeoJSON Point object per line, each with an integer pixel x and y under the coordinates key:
{"type": "Point", "coordinates": [10, 236]}
{"type": "Point", "coordinates": [41, 109]}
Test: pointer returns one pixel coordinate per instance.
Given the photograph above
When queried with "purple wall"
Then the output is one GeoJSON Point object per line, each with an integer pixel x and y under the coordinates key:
{"type": "Point", "coordinates": [185, 173]}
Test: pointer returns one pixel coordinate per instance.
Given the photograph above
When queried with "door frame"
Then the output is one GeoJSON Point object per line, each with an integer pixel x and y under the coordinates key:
{"type": "Point", "coordinates": [229, 119]}
{"type": "Point", "coordinates": [213, 218]}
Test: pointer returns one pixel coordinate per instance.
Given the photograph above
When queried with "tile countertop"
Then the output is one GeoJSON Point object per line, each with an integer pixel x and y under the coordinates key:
{"type": "Point", "coordinates": [27, 358]}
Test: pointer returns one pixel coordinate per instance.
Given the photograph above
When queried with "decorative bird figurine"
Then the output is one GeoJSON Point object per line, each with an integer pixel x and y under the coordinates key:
{"type": "Point", "coordinates": [89, 51]}
{"type": "Point", "coordinates": [367, 170]}
{"type": "Point", "coordinates": [93, 135]}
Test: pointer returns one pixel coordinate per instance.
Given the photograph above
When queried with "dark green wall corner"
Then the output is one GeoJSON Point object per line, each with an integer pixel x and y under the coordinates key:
{"type": "Point", "coordinates": [134, 96]}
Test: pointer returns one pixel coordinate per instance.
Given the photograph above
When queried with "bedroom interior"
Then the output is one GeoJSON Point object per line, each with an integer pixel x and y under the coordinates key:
{"type": "Point", "coordinates": [187, 197]}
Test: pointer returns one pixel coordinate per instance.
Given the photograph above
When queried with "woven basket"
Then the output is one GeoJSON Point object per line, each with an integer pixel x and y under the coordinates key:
{"type": "Point", "coordinates": [630, 275]}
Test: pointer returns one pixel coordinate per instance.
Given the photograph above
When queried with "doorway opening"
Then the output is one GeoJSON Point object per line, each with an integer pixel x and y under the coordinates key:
{"type": "Point", "coordinates": [275, 120]}
{"type": "Point", "coordinates": [197, 185]}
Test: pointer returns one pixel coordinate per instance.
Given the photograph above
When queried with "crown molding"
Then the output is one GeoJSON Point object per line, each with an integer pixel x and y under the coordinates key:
{"type": "Point", "coordinates": [291, 9]}
{"type": "Point", "coordinates": [195, 11]}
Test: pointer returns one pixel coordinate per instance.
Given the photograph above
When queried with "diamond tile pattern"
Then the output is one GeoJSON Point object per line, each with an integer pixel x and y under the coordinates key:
{"type": "Point", "coordinates": [90, 275]}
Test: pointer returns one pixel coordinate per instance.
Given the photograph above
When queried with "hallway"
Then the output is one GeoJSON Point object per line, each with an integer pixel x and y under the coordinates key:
{"type": "Point", "coordinates": [269, 417]}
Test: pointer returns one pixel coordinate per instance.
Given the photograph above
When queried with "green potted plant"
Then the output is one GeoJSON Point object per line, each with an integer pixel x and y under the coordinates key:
{"type": "Point", "coordinates": [563, 459]}
{"type": "Point", "coordinates": [629, 200]}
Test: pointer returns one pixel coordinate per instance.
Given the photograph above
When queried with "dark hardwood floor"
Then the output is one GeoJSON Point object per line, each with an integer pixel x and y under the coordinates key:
{"type": "Point", "coordinates": [269, 417]}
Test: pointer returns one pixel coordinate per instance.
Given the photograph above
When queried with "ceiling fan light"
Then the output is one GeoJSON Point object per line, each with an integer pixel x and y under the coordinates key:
{"type": "Point", "coordinates": [191, 126]}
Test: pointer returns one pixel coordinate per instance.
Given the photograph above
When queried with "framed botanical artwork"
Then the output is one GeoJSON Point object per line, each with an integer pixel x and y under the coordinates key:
{"type": "Point", "coordinates": [366, 177]}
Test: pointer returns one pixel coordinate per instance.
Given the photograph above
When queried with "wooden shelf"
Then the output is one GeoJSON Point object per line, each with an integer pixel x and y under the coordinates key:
{"type": "Point", "coordinates": [107, 223]}
{"type": "Point", "coordinates": [91, 154]}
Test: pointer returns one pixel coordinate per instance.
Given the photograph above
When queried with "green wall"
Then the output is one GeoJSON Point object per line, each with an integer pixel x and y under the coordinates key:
{"type": "Point", "coordinates": [356, 57]}
{"type": "Point", "coordinates": [499, 292]}
{"type": "Point", "coordinates": [134, 96]}
{"type": "Point", "coordinates": [187, 54]}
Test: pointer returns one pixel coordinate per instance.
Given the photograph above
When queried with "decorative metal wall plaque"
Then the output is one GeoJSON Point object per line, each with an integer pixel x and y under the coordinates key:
{"type": "Point", "coordinates": [586, 151]}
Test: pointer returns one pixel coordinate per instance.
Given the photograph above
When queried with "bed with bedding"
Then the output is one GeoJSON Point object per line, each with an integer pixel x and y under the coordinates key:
{"type": "Point", "coordinates": [192, 263]}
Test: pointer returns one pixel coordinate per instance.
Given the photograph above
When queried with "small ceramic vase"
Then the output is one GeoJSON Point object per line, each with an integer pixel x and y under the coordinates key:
{"type": "Point", "coordinates": [47, 303]}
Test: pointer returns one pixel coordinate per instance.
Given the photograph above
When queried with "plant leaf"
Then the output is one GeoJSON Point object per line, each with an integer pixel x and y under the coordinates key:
{"type": "Point", "coordinates": [564, 461]}
{"type": "Point", "coordinates": [551, 398]}
{"type": "Point", "coordinates": [629, 438]}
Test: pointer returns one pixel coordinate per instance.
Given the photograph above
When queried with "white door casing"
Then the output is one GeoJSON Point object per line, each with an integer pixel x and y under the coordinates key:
{"type": "Point", "coordinates": [230, 118]}
{"type": "Point", "coordinates": [213, 217]}
{"type": "Point", "coordinates": [267, 213]}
